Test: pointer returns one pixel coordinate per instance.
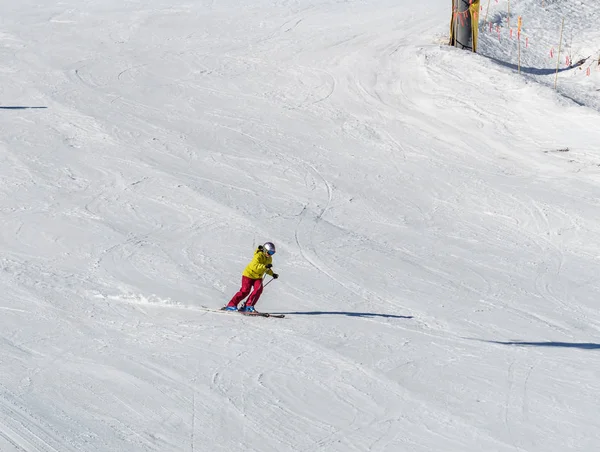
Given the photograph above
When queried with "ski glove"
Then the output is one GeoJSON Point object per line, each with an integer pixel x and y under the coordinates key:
{"type": "Point", "coordinates": [275, 276]}
{"type": "Point", "coordinates": [268, 265]}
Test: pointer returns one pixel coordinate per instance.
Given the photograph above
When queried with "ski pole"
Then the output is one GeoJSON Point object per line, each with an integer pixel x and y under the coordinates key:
{"type": "Point", "coordinates": [268, 282]}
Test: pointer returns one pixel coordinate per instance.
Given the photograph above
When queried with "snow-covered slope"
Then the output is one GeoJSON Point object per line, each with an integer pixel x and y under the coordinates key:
{"type": "Point", "coordinates": [438, 246]}
{"type": "Point", "coordinates": [578, 56]}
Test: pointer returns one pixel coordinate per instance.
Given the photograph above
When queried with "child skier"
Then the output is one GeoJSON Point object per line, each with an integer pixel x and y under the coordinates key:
{"type": "Point", "coordinates": [252, 278]}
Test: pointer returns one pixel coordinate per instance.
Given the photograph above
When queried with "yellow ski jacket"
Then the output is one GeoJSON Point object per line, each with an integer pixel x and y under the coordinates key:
{"type": "Point", "coordinates": [258, 266]}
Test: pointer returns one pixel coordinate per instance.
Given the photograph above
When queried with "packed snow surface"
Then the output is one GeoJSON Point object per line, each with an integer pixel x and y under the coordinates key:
{"type": "Point", "coordinates": [436, 213]}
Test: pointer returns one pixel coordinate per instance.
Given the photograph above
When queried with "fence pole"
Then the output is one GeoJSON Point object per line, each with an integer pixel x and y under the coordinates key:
{"type": "Point", "coordinates": [487, 10]}
{"type": "Point", "coordinates": [562, 27]}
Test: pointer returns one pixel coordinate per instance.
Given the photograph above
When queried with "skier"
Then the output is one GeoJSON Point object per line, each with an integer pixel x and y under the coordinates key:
{"type": "Point", "coordinates": [252, 278]}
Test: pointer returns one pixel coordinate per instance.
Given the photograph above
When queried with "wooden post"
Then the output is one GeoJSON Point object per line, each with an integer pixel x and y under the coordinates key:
{"type": "Point", "coordinates": [519, 38]}
{"type": "Point", "coordinates": [487, 10]}
{"type": "Point", "coordinates": [519, 27]}
{"type": "Point", "coordinates": [562, 27]}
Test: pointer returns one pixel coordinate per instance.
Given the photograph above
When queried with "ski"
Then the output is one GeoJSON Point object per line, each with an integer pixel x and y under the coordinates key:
{"type": "Point", "coordinates": [250, 314]}
{"type": "Point", "coordinates": [263, 314]}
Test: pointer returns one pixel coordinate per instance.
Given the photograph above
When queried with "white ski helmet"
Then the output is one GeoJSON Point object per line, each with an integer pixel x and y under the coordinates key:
{"type": "Point", "coordinates": [269, 248]}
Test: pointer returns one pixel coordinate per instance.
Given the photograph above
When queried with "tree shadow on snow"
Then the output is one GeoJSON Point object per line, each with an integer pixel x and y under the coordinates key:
{"type": "Point", "coordinates": [20, 108]}
{"type": "Point", "coordinates": [582, 345]}
{"type": "Point", "coordinates": [531, 70]}
{"type": "Point", "coordinates": [349, 314]}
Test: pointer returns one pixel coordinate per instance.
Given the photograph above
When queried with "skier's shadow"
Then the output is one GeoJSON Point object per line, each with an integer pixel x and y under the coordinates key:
{"type": "Point", "coordinates": [581, 345]}
{"type": "Point", "coordinates": [349, 314]}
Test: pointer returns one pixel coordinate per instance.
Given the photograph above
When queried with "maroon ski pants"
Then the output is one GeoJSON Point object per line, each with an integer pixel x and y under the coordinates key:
{"type": "Point", "coordinates": [247, 285]}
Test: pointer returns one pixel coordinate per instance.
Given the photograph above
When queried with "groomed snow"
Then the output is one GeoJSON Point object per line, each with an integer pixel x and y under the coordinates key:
{"type": "Point", "coordinates": [438, 245]}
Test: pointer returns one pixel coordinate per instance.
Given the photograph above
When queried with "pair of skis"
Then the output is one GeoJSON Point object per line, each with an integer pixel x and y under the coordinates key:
{"type": "Point", "coordinates": [263, 314]}
{"type": "Point", "coordinates": [256, 314]}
